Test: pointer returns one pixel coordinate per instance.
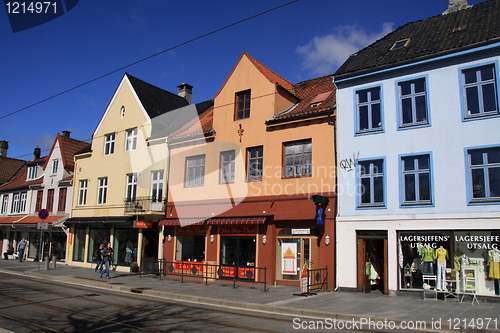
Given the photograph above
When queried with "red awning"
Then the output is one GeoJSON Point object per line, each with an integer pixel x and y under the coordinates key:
{"type": "Point", "coordinates": [237, 220]}
{"type": "Point", "coordinates": [181, 222]}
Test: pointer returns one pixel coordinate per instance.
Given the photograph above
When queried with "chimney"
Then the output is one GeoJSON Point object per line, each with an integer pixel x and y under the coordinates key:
{"type": "Point", "coordinates": [36, 153]}
{"type": "Point", "coordinates": [4, 146]}
{"type": "Point", "coordinates": [186, 91]}
{"type": "Point", "coordinates": [456, 5]}
{"type": "Point", "coordinates": [66, 134]}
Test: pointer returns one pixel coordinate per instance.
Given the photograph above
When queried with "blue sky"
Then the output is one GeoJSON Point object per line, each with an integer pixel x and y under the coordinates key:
{"type": "Point", "coordinates": [302, 40]}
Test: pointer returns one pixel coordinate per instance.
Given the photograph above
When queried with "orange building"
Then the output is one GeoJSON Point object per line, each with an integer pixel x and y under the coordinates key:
{"type": "Point", "coordinates": [248, 175]}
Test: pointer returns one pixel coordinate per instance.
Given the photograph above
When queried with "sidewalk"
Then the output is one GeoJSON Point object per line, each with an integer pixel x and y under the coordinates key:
{"type": "Point", "coordinates": [349, 306]}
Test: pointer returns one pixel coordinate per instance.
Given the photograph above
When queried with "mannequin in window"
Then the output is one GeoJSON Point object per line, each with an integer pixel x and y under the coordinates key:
{"type": "Point", "coordinates": [441, 255]}
{"type": "Point", "coordinates": [428, 255]}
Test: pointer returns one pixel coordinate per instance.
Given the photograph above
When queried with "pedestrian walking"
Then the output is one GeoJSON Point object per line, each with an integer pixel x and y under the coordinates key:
{"type": "Point", "coordinates": [98, 257]}
{"type": "Point", "coordinates": [20, 248]}
{"type": "Point", "coordinates": [107, 258]}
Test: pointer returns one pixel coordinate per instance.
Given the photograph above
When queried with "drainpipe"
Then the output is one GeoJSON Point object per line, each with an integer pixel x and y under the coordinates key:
{"type": "Point", "coordinates": [334, 121]}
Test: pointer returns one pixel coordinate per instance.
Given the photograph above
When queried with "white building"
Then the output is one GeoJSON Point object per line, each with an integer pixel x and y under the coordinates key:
{"type": "Point", "coordinates": [419, 156]}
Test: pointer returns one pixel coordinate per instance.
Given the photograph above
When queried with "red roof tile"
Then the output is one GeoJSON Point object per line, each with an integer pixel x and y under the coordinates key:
{"type": "Point", "coordinates": [9, 167]}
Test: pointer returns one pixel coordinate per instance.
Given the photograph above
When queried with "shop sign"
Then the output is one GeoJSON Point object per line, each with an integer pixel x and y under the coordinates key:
{"type": "Point", "coordinates": [143, 224]}
{"type": "Point", "coordinates": [478, 242]}
{"type": "Point", "coordinates": [237, 229]}
{"type": "Point", "coordinates": [289, 258]}
{"type": "Point", "coordinates": [421, 241]}
{"type": "Point", "coordinates": [191, 230]}
{"type": "Point", "coordinates": [301, 231]}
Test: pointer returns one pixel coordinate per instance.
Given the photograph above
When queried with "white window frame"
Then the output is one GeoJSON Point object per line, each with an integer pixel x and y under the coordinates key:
{"type": "Point", "coordinates": [131, 139]}
{"type": "Point", "coordinates": [227, 167]}
{"type": "Point", "coordinates": [480, 85]}
{"type": "Point", "coordinates": [102, 190]}
{"type": "Point", "coordinates": [297, 159]}
{"type": "Point", "coordinates": [131, 187]}
{"type": "Point", "coordinates": [486, 169]}
{"type": "Point", "coordinates": [109, 144]}
{"type": "Point", "coordinates": [413, 97]}
{"type": "Point", "coordinates": [370, 104]}
{"type": "Point", "coordinates": [32, 172]}
{"type": "Point", "coordinates": [5, 203]}
{"type": "Point", "coordinates": [16, 200]}
{"type": "Point", "coordinates": [368, 171]}
{"type": "Point", "coordinates": [55, 165]}
{"type": "Point", "coordinates": [82, 192]}
{"type": "Point", "coordinates": [416, 172]}
{"type": "Point", "coordinates": [195, 171]}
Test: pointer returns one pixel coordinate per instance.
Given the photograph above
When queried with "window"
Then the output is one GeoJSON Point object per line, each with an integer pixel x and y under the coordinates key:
{"type": "Point", "coordinates": [227, 167]}
{"type": "Point", "coordinates": [412, 103]}
{"type": "Point", "coordinates": [157, 186]}
{"type": "Point", "coordinates": [39, 200]}
{"type": "Point", "coordinates": [371, 180]}
{"type": "Point", "coordinates": [484, 174]}
{"type": "Point", "coordinates": [22, 204]}
{"type": "Point", "coordinates": [63, 192]}
{"type": "Point", "coordinates": [122, 112]}
{"type": "Point", "coordinates": [5, 203]}
{"type": "Point", "coordinates": [131, 143]}
{"type": "Point", "coordinates": [50, 199]}
{"type": "Point", "coordinates": [242, 105]}
{"type": "Point", "coordinates": [195, 171]}
{"type": "Point", "coordinates": [102, 190]}
{"type": "Point", "coordinates": [109, 144]}
{"type": "Point", "coordinates": [32, 172]}
{"type": "Point", "coordinates": [298, 159]}
{"type": "Point", "coordinates": [480, 91]}
{"type": "Point", "coordinates": [131, 187]}
{"type": "Point", "coordinates": [255, 156]}
{"type": "Point", "coordinates": [82, 195]}
{"type": "Point", "coordinates": [15, 203]}
{"type": "Point", "coordinates": [55, 164]}
{"type": "Point", "coordinates": [416, 180]}
{"type": "Point", "coordinates": [369, 112]}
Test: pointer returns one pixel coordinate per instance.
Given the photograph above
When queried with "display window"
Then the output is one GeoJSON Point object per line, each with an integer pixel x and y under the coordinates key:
{"type": "Point", "coordinates": [464, 261]}
{"type": "Point", "coordinates": [125, 246]}
{"type": "Point", "coordinates": [97, 236]}
{"type": "Point", "coordinates": [190, 248]}
{"type": "Point", "coordinates": [79, 243]}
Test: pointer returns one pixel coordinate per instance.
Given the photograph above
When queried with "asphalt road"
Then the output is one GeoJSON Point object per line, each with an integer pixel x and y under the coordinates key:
{"type": "Point", "coordinates": [33, 305]}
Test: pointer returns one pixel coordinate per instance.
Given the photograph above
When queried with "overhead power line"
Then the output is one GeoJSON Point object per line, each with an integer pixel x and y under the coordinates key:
{"type": "Point", "coordinates": [147, 58]}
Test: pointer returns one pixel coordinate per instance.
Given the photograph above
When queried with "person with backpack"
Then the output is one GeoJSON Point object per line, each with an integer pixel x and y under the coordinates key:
{"type": "Point", "coordinates": [107, 259]}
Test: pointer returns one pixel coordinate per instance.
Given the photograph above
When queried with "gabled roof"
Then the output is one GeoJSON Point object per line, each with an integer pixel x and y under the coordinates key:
{"type": "Point", "coordinates": [20, 181]}
{"type": "Point", "coordinates": [155, 100]}
{"type": "Point", "coordinates": [468, 28]}
{"type": "Point", "coordinates": [200, 126]}
{"type": "Point", "coordinates": [317, 97]}
{"type": "Point", "coordinates": [68, 147]}
{"type": "Point", "coordinates": [9, 167]}
{"type": "Point", "coordinates": [266, 72]}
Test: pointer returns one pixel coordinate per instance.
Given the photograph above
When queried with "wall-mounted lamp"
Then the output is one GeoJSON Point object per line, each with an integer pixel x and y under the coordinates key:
{"type": "Point", "coordinates": [327, 240]}
{"type": "Point", "coordinates": [212, 238]}
{"type": "Point", "coordinates": [169, 238]}
{"type": "Point", "coordinates": [264, 239]}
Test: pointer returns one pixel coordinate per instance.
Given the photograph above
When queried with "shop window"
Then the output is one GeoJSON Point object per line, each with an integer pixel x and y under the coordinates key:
{"type": "Point", "coordinates": [79, 244]}
{"type": "Point", "coordinates": [97, 236]}
{"type": "Point", "coordinates": [237, 250]}
{"type": "Point", "coordinates": [125, 246]}
{"type": "Point", "coordinates": [190, 248]}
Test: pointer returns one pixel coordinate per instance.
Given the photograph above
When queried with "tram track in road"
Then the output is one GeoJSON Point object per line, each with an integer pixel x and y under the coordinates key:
{"type": "Point", "coordinates": [121, 301]}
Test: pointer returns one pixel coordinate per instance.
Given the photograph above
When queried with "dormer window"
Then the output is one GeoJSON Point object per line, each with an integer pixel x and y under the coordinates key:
{"type": "Point", "coordinates": [400, 44]}
{"type": "Point", "coordinates": [320, 98]}
{"type": "Point", "coordinates": [32, 172]}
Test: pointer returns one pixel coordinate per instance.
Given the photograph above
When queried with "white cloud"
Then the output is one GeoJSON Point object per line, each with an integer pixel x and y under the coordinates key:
{"type": "Point", "coordinates": [324, 54]}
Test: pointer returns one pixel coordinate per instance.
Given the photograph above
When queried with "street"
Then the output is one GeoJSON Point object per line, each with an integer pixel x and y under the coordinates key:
{"type": "Point", "coordinates": [33, 305]}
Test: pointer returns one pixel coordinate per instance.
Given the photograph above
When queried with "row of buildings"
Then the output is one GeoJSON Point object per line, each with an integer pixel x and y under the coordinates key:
{"type": "Point", "coordinates": [385, 174]}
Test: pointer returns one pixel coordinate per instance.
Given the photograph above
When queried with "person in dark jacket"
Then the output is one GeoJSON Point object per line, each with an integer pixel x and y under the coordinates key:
{"type": "Point", "coordinates": [107, 257]}
{"type": "Point", "coordinates": [98, 257]}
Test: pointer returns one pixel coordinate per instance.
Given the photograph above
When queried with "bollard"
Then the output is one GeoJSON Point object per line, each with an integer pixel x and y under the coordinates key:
{"type": "Point", "coordinates": [54, 258]}
{"type": "Point", "coordinates": [46, 263]}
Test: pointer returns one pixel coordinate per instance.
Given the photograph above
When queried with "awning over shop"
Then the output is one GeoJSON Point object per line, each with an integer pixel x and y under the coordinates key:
{"type": "Point", "coordinates": [99, 220]}
{"type": "Point", "coordinates": [237, 220]}
{"type": "Point", "coordinates": [28, 219]}
{"type": "Point", "coordinates": [182, 222]}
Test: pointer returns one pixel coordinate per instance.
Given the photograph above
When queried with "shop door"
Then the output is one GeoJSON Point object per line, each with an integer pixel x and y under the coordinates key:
{"type": "Point", "coordinates": [372, 266]}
